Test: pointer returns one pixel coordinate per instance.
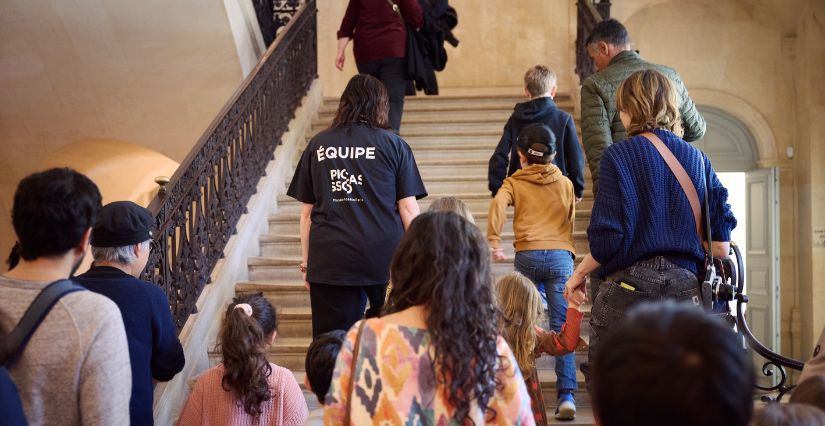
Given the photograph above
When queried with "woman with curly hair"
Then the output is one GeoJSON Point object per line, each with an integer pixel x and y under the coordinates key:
{"type": "Point", "coordinates": [642, 231]}
{"type": "Point", "coordinates": [436, 356]}
{"type": "Point", "coordinates": [246, 389]}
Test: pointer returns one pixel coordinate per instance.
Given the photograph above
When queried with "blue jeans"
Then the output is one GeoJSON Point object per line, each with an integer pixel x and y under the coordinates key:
{"type": "Point", "coordinates": [549, 271]}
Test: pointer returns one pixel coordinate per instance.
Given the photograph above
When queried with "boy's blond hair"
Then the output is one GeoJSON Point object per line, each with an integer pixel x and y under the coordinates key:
{"type": "Point", "coordinates": [539, 80]}
{"type": "Point", "coordinates": [520, 304]}
{"type": "Point", "coordinates": [454, 205]}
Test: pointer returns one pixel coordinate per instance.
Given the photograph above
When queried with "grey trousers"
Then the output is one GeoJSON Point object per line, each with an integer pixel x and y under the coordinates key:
{"type": "Point", "coordinates": [651, 280]}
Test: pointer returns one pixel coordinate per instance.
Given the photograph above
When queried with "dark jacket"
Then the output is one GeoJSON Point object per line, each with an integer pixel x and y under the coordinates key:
{"type": "Point", "coordinates": [569, 156]}
{"type": "Point", "coordinates": [154, 349]}
{"type": "Point", "coordinates": [601, 125]}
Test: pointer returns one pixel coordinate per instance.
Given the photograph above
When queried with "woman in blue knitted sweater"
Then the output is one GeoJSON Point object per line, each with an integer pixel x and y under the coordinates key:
{"type": "Point", "coordinates": [642, 231]}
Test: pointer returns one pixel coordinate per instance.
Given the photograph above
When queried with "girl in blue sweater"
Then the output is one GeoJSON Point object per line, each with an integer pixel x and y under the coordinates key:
{"type": "Point", "coordinates": [642, 230]}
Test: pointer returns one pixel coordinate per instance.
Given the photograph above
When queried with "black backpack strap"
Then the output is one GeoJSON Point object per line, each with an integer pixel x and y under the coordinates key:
{"type": "Point", "coordinates": [12, 345]}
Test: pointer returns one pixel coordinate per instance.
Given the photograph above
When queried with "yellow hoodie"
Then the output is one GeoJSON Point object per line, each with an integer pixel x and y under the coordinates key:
{"type": "Point", "coordinates": [545, 210]}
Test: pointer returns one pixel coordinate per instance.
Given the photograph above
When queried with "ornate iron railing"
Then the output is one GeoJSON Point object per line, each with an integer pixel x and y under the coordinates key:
{"type": "Point", "coordinates": [774, 361]}
{"type": "Point", "coordinates": [274, 15]}
{"type": "Point", "coordinates": [197, 211]}
{"type": "Point", "coordinates": [589, 15]}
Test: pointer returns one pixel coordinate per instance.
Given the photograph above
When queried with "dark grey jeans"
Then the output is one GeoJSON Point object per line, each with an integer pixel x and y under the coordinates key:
{"type": "Point", "coordinates": [391, 72]}
{"type": "Point", "coordinates": [652, 280]}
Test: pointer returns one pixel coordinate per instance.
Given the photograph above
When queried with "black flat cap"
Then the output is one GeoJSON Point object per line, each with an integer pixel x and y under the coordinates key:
{"type": "Point", "coordinates": [122, 223]}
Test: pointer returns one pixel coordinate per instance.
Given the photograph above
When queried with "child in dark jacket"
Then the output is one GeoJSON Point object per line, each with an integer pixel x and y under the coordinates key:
{"type": "Point", "coordinates": [540, 87]}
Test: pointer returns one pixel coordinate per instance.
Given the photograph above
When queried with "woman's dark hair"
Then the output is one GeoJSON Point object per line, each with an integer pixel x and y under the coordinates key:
{"type": "Point", "coordinates": [320, 361]}
{"type": "Point", "coordinates": [52, 211]}
{"type": "Point", "coordinates": [810, 391]}
{"type": "Point", "coordinates": [363, 101]}
{"type": "Point", "coordinates": [443, 263]}
{"type": "Point", "coordinates": [243, 344]}
{"type": "Point", "coordinates": [789, 415]}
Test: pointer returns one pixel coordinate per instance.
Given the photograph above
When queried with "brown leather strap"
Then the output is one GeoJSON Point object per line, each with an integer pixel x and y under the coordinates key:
{"type": "Point", "coordinates": [352, 372]}
{"type": "Point", "coordinates": [682, 177]}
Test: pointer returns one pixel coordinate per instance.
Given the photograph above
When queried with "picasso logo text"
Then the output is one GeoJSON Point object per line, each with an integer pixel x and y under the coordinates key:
{"type": "Point", "coordinates": [346, 152]}
{"type": "Point", "coordinates": [344, 181]}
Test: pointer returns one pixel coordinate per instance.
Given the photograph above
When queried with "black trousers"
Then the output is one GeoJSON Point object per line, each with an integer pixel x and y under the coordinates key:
{"type": "Point", "coordinates": [339, 307]}
{"type": "Point", "coordinates": [391, 72]}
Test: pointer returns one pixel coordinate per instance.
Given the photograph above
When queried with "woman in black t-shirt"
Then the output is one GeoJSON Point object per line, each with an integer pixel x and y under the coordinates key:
{"type": "Point", "coordinates": [359, 184]}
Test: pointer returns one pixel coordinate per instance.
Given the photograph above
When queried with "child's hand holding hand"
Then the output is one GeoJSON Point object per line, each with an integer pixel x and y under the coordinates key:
{"type": "Point", "coordinates": [498, 254]}
{"type": "Point", "coordinates": [575, 299]}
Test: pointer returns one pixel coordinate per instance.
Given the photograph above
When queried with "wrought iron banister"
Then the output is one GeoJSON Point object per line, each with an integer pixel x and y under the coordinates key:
{"type": "Point", "coordinates": [589, 14]}
{"type": "Point", "coordinates": [774, 359]}
{"type": "Point", "coordinates": [197, 212]}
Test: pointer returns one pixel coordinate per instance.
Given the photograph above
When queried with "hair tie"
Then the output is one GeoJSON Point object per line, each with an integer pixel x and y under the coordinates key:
{"type": "Point", "coordinates": [245, 307]}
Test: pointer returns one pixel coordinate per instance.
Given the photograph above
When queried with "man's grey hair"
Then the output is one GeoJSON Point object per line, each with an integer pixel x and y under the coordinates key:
{"type": "Point", "coordinates": [609, 31]}
{"type": "Point", "coordinates": [123, 255]}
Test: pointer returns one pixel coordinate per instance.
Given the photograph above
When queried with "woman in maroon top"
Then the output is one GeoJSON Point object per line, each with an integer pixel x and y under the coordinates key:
{"type": "Point", "coordinates": [380, 38]}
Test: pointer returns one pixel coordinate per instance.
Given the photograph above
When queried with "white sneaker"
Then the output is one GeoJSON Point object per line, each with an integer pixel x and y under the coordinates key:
{"type": "Point", "coordinates": [567, 407]}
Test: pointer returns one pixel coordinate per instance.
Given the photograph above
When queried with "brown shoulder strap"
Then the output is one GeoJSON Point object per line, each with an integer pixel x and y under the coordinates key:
{"type": "Point", "coordinates": [355, 350]}
{"type": "Point", "coordinates": [682, 177]}
{"type": "Point", "coordinates": [397, 10]}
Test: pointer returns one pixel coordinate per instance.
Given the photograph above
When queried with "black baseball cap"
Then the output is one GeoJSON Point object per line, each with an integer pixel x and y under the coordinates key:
{"type": "Point", "coordinates": [537, 139]}
{"type": "Point", "coordinates": [122, 223]}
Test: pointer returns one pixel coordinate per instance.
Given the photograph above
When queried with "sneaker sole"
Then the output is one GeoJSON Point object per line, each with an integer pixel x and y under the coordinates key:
{"type": "Point", "coordinates": [566, 412]}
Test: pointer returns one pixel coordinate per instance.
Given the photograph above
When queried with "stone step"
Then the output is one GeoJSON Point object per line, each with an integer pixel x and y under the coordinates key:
{"type": "Point", "coordinates": [285, 268]}
{"type": "Point", "coordinates": [280, 293]}
{"type": "Point", "coordinates": [290, 245]}
{"type": "Point", "coordinates": [460, 103]}
{"type": "Point", "coordinates": [288, 224]}
{"type": "Point", "coordinates": [476, 202]}
{"type": "Point", "coordinates": [418, 117]}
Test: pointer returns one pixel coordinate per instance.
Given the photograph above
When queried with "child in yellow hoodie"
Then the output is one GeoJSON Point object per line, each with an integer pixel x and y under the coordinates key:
{"type": "Point", "coordinates": [545, 209]}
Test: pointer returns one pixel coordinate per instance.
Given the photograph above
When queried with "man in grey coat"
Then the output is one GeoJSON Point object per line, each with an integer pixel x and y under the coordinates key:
{"type": "Point", "coordinates": [609, 46]}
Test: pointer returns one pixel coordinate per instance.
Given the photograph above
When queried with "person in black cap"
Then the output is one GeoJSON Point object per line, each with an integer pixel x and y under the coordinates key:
{"type": "Point", "coordinates": [120, 246]}
{"type": "Point", "coordinates": [545, 209]}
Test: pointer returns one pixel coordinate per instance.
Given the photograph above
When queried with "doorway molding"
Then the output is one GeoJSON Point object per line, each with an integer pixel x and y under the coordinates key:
{"type": "Point", "coordinates": [748, 115]}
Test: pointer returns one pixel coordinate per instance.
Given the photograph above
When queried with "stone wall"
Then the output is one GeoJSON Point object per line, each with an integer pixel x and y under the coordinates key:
{"type": "Point", "coordinates": [499, 42]}
{"type": "Point", "coordinates": [151, 74]}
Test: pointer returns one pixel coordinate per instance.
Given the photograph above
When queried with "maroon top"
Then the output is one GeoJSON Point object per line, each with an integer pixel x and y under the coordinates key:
{"type": "Point", "coordinates": [380, 32]}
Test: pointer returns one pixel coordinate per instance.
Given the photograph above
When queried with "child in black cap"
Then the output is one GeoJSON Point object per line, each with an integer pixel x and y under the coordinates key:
{"type": "Point", "coordinates": [545, 209]}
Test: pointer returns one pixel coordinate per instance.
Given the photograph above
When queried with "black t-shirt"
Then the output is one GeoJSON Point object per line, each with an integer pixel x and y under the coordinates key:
{"type": "Point", "coordinates": [355, 178]}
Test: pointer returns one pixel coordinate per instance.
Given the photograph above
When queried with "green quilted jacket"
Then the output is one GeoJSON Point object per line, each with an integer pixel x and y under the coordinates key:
{"type": "Point", "coordinates": [600, 121]}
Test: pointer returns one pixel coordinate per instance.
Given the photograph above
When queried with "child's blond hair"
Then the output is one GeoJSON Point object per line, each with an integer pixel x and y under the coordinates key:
{"type": "Point", "coordinates": [454, 205]}
{"type": "Point", "coordinates": [539, 80]}
{"type": "Point", "coordinates": [520, 304]}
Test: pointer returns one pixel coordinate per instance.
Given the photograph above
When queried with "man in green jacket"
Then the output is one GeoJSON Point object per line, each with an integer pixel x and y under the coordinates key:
{"type": "Point", "coordinates": [609, 46]}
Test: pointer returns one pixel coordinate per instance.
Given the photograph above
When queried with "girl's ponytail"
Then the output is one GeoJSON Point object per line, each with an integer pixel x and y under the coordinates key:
{"type": "Point", "coordinates": [248, 323]}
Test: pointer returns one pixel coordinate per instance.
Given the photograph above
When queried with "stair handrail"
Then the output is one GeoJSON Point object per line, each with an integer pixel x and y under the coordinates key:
{"type": "Point", "coordinates": [589, 14]}
{"type": "Point", "coordinates": [196, 212]}
{"type": "Point", "coordinates": [779, 362]}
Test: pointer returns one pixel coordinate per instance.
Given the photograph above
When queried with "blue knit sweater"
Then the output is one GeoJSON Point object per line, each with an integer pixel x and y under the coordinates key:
{"type": "Point", "coordinates": [641, 210]}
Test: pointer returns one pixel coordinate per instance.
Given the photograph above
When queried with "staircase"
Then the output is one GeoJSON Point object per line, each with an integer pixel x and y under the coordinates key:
{"type": "Point", "coordinates": [452, 139]}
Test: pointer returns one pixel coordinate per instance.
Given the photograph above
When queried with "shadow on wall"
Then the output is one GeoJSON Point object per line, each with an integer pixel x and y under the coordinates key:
{"type": "Point", "coordinates": [121, 170]}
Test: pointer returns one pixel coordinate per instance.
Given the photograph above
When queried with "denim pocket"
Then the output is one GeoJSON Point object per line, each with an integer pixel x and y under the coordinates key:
{"type": "Point", "coordinates": [692, 296]}
{"type": "Point", "coordinates": [524, 269]}
{"type": "Point", "coordinates": [618, 300]}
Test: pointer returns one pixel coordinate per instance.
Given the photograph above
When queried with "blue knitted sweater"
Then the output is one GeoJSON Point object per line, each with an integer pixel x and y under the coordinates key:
{"type": "Point", "coordinates": [641, 210]}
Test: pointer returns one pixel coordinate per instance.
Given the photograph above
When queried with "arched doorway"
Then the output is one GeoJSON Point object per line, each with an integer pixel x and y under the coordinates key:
{"type": "Point", "coordinates": [754, 195]}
